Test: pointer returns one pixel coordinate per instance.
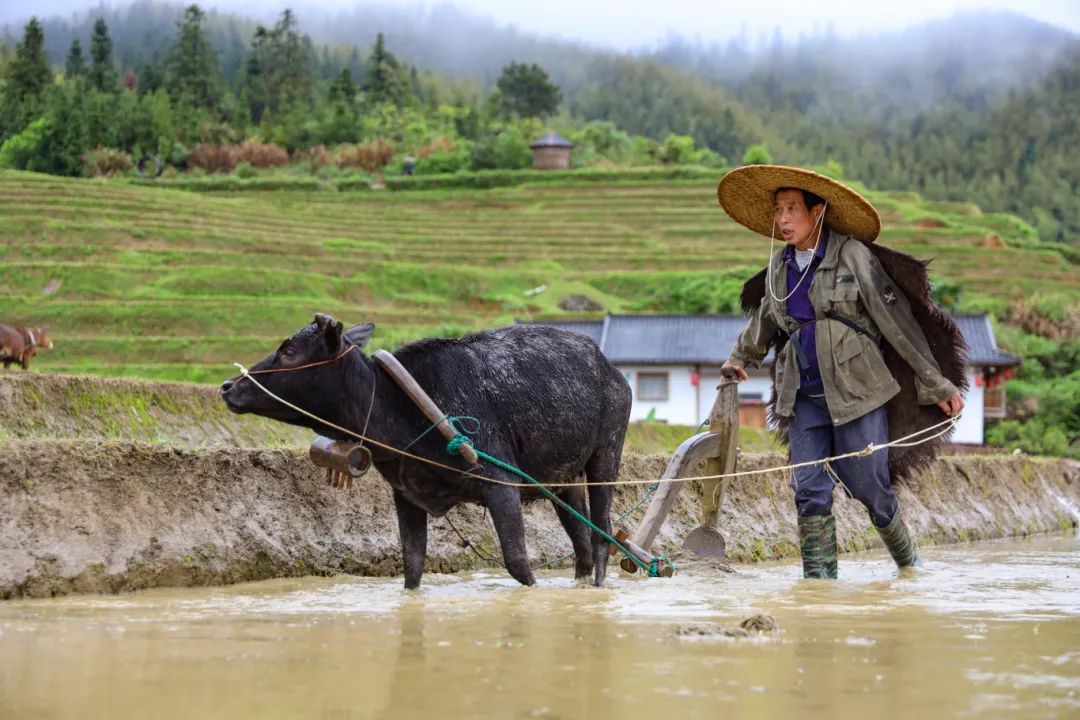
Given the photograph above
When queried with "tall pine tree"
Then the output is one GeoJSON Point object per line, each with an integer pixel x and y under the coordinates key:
{"type": "Point", "coordinates": [27, 76]}
{"type": "Point", "coordinates": [102, 72]}
{"type": "Point", "coordinates": [191, 71]}
{"type": "Point", "coordinates": [343, 89]}
{"type": "Point", "coordinates": [293, 61]}
{"type": "Point", "coordinates": [256, 89]}
{"type": "Point", "coordinates": [75, 64]}
{"type": "Point", "coordinates": [383, 82]}
{"type": "Point", "coordinates": [279, 71]}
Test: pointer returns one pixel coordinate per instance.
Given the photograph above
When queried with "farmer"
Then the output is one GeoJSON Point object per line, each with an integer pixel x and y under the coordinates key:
{"type": "Point", "coordinates": [829, 306]}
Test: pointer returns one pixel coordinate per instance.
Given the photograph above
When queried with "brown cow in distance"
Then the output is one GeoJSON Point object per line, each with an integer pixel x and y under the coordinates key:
{"type": "Point", "coordinates": [18, 344]}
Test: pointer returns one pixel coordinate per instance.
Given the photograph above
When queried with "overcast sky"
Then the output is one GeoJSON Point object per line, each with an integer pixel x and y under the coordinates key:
{"type": "Point", "coordinates": [634, 23]}
{"type": "Point", "coordinates": [627, 23]}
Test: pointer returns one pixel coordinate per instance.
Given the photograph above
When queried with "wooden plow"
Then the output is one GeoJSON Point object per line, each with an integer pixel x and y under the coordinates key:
{"type": "Point", "coordinates": [709, 453]}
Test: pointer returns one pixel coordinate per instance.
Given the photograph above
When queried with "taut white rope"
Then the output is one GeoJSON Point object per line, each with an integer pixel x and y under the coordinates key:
{"type": "Point", "coordinates": [870, 449]}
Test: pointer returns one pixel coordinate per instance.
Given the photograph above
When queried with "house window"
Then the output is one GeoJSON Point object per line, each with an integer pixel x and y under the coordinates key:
{"type": "Point", "coordinates": [994, 402]}
{"type": "Point", "coordinates": [652, 386]}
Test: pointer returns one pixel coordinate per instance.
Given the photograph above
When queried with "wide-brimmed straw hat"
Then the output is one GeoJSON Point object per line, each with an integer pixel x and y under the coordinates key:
{"type": "Point", "coordinates": [748, 193]}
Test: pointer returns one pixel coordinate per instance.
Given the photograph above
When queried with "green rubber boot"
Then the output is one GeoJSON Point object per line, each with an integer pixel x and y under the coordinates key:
{"type": "Point", "coordinates": [901, 545]}
{"type": "Point", "coordinates": [817, 541]}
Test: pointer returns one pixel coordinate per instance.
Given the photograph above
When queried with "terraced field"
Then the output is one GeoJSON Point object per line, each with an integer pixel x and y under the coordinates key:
{"type": "Point", "coordinates": [176, 285]}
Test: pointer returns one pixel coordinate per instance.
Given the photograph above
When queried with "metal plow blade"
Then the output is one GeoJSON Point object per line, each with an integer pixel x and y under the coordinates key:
{"type": "Point", "coordinates": [705, 542]}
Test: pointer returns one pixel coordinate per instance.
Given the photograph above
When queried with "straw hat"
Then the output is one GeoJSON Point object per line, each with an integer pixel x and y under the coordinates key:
{"type": "Point", "coordinates": [747, 195]}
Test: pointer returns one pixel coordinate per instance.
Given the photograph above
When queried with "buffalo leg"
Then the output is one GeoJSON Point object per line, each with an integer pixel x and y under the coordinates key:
{"type": "Point", "coordinates": [412, 526]}
{"type": "Point", "coordinates": [601, 468]}
{"type": "Point", "coordinates": [577, 530]}
{"type": "Point", "coordinates": [504, 504]}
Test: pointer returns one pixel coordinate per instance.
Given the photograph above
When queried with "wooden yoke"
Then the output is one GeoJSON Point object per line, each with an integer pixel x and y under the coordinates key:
{"type": "Point", "coordinates": [422, 400]}
{"type": "Point", "coordinates": [708, 453]}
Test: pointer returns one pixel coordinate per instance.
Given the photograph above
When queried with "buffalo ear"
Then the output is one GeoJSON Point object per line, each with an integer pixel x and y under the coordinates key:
{"type": "Point", "coordinates": [322, 320]}
{"type": "Point", "coordinates": [332, 332]}
{"type": "Point", "coordinates": [360, 334]}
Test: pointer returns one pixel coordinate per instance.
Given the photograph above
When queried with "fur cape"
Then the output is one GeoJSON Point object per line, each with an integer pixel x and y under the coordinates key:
{"type": "Point", "coordinates": [946, 343]}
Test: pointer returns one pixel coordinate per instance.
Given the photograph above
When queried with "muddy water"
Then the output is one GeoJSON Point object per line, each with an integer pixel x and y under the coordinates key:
{"type": "Point", "coordinates": [989, 629]}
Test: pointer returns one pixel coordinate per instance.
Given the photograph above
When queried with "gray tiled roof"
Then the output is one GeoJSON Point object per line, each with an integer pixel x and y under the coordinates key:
{"type": "Point", "coordinates": [662, 339]}
{"type": "Point", "coordinates": [552, 140]}
{"type": "Point", "coordinates": [982, 348]}
{"type": "Point", "coordinates": [708, 339]}
{"type": "Point", "coordinates": [665, 339]}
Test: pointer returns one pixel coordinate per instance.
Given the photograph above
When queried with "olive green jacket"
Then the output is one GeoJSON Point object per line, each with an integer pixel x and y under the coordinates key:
{"type": "Point", "coordinates": [849, 282]}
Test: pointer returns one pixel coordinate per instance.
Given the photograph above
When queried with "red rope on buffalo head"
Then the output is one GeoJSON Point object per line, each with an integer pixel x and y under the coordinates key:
{"type": "Point", "coordinates": [303, 367]}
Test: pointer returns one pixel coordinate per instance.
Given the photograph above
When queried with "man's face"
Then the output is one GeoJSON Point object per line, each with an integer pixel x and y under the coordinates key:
{"type": "Point", "coordinates": [793, 221]}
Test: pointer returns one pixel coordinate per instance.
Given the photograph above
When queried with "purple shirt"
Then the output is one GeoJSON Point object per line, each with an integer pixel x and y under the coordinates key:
{"type": "Point", "coordinates": [801, 310]}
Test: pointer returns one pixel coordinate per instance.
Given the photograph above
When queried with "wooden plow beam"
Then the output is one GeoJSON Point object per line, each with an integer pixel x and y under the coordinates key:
{"type": "Point", "coordinates": [422, 400]}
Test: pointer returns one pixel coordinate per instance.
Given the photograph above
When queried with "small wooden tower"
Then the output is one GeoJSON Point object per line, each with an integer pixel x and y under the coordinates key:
{"type": "Point", "coordinates": [551, 152]}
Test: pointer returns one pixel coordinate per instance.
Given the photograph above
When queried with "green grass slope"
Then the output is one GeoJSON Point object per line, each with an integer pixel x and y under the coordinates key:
{"type": "Point", "coordinates": [167, 284]}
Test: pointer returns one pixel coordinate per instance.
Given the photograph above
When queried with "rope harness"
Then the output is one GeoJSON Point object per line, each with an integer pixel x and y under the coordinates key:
{"type": "Point", "coordinates": [651, 568]}
{"type": "Point", "coordinates": [942, 427]}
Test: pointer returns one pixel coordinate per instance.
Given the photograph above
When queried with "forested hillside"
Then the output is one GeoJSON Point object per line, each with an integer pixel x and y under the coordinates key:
{"type": "Point", "coordinates": [975, 108]}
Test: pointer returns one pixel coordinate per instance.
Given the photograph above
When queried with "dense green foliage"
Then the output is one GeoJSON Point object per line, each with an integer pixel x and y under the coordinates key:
{"type": "Point", "coordinates": [1045, 399]}
{"type": "Point", "coordinates": [323, 114]}
{"type": "Point", "coordinates": [976, 108]}
{"type": "Point", "coordinates": [527, 91]}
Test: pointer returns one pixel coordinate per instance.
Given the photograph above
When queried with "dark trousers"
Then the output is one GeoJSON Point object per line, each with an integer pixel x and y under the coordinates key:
{"type": "Point", "coordinates": [812, 436]}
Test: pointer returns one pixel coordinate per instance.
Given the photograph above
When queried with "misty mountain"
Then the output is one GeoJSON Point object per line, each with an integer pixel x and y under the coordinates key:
{"type": "Point", "coordinates": [779, 92]}
{"type": "Point", "coordinates": [983, 53]}
{"type": "Point", "coordinates": [957, 108]}
{"type": "Point", "coordinates": [986, 54]}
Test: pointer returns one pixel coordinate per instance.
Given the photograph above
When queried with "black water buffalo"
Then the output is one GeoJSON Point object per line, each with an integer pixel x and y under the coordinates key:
{"type": "Point", "coordinates": [548, 402]}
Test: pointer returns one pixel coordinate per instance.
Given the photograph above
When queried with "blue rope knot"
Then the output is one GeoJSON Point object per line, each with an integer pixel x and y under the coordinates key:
{"type": "Point", "coordinates": [454, 446]}
{"type": "Point", "coordinates": [453, 420]}
{"type": "Point", "coordinates": [655, 563]}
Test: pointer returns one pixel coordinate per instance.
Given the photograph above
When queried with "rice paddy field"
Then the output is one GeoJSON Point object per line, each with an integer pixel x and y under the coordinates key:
{"type": "Point", "coordinates": [147, 281]}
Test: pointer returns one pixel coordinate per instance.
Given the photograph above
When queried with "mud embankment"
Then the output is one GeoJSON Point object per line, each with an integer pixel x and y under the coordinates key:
{"type": "Point", "coordinates": [94, 516]}
{"type": "Point", "coordinates": [109, 485]}
{"type": "Point", "coordinates": [81, 407]}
